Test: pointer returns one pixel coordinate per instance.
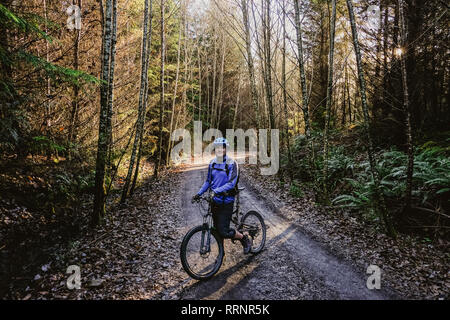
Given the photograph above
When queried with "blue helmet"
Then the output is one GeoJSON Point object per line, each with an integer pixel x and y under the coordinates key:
{"type": "Point", "coordinates": [221, 142]}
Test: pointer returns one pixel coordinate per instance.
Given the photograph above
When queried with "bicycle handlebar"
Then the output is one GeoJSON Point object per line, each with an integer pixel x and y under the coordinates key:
{"type": "Point", "coordinates": [207, 198]}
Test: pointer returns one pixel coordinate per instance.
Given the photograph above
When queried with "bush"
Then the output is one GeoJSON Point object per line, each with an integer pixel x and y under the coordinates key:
{"type": "Point", "coordinates": [431, 179]}
{"type": "Point", "coordinates": [296, 190]}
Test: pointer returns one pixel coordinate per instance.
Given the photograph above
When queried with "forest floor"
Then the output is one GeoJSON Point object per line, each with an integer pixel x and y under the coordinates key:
{"type": "Point", "coordinates": [311, 252]}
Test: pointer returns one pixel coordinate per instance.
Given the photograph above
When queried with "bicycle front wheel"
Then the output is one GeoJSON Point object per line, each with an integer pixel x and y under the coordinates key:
{"type": "Point", "coordinates": [201, 263]}
{"type": "Point", "coordinates": [253, 224]}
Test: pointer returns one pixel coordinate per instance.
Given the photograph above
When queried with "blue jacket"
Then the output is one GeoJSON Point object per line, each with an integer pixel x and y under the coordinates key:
{"type": "Point", "coordinates": [218, 180]}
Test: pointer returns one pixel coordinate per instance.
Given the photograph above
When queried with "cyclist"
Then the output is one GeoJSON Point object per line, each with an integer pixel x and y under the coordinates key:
{"type": "Point", "coordinates": [222, 178]}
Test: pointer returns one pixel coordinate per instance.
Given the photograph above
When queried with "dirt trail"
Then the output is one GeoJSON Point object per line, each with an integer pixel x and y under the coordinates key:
{"type": "Point", "coordinates": [292, 266]}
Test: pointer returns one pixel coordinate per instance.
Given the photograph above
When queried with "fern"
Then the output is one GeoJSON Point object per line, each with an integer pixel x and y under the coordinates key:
{"type": "Point", "coordinates": [431, 178]}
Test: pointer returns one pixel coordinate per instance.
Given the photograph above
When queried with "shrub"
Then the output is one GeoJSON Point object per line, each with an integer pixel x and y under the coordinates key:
{"type": "Point", "coordinates": [431, 179]}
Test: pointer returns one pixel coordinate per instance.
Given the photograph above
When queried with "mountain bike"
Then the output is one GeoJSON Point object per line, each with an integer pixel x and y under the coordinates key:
{"type": "Point", "coordinates": [202, 248]}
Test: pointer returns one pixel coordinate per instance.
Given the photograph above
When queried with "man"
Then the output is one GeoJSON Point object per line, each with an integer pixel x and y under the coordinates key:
{"type": "Point", "coordinates": [221, 179]}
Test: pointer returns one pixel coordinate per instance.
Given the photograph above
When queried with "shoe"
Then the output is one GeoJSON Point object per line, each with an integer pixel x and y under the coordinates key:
{"type": "Point", "coordinates": [246, 243]}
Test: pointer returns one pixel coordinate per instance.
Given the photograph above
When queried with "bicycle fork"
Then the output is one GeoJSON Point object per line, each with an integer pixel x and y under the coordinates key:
{"type": "Point", "coordinates": [205, 246]}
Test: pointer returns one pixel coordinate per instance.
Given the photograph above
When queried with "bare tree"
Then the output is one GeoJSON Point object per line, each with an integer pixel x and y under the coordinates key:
{"type": "Point", "coordinates": [329, 99]}
{"type": "Point", "coordinates": [250, 63]}
{"type": "Point", "coordinates": [268, 61]}
{"type": "Point", "coordinates": [284, 85]}
{"type": "Point", "coordinates": [379, 199]}
{"type": "Point", "coordinates": [145, 52]}
{"type": "Point", "coordinates": [301, 65]}
{"type": "Point", "coordinates": [175, 90]}
{"type": "Point", "coordinates": [161, 81]}
{"type": "Point", "coordinates": [406, 108]}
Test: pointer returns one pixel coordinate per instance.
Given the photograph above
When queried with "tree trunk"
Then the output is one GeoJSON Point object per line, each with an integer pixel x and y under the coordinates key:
{"type": "Point", "coordinates": [199, 83]}
{"type": "Point", "coordinates": [161, 81]}
{"type": "Point", "coordinates": [175, 91]}
{"type": "Point", "coordinates": [268, 61]}
{"type": "Point", "coordinates": [75, 99]}
{"type": "Point", "coordinates": [237, 102]}
{"type": "Point", "coordinates": [147, 61]}
{"type": "Point", "coordinates": [329, 100]}
{"type": "Point", "coordinates": [283, 71]}
{"type": "Point", "coordinates": [146, 33]}
{"type": "Point", "coordinates": [213, 107]}
{"type": "Point", "coordinates": [379, 199]}
{"type": "Point", "coordinates": [220, 89]}
{"type": "Point", "coordinates": [298, 28]}
{"type": "Point", "coordinates": [98, 212]}
{"type": "Point", "coordinates": [250, 63]}
{"type": "Point", "coordinates": [111, 80]}
{"type": "Point", "coordinates": [406, 108]}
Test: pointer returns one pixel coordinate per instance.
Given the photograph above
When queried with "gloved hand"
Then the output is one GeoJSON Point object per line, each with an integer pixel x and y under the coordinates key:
{"type": "Point", "coordinates": [215, 194]}
{"type": "Point", "coordinates": [195, 198]}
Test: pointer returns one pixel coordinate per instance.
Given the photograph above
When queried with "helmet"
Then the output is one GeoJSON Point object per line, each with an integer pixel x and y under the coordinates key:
{"type": "Point", "coordinates": [221, 142]}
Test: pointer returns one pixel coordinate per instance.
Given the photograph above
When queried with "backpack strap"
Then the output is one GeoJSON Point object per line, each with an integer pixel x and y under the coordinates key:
{"type": "Point", "coordinates": [227, 170]}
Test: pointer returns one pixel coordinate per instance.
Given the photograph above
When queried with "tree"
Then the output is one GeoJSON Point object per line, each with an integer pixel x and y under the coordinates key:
{"type": "Point", "coordinates": [329, 99]}
{"type": "Point", "coordinates": [284, 85]}
{"type": "Point", "coordinates": [409, 143]}
{"type": "Point", "coordinates": [379, 200]}
{"type": "Point", "coordinates": [143, 92]}
{"type": "Point", "coordinates": [174, 100]}
{"type": "Point", "coordinates": [161, 106]}
{"type": "Point", "coordinates": [98, 212]}
{"type": "Point", "coordinates": [301, 66]}
{"type": "Point", "coordinates": [250, 63]}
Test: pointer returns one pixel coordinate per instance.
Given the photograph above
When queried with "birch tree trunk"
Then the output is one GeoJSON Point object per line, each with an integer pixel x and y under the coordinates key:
{"type": "Point", "coordinates": [111, 81]}
{"type": "Point", "coordinates": [98, 212]}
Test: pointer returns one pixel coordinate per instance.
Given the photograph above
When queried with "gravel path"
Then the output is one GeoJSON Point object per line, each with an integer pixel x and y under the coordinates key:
{"type": "Point", "coordinates": [136, 254]}
{"type": "Point", "coordinates": [292, 266]}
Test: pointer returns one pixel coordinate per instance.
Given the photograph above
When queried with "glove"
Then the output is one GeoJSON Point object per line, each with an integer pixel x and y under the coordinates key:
{"type": "Point", "coordinates": [195, 198]}
{"type": "Point", "coordinates": [215, 194]}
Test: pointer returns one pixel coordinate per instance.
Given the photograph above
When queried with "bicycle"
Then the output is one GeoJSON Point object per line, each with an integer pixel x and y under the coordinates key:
{"type": "Point", "coordinates": [202, 255]}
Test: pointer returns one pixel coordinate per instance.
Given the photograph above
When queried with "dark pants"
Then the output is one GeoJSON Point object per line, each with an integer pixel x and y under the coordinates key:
{"type": "Point", "coordinates": [222, 216]}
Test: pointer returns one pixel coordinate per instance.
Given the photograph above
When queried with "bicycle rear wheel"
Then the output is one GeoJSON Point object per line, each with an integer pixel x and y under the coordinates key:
{"type": "Point", "coordinates": [253, 224]}
{"type": "Point", "coordinates": [198, 263]}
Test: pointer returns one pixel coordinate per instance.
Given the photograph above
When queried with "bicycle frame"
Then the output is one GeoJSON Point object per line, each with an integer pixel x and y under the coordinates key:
{"type": "Point", "coordinates": [208, 223]}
